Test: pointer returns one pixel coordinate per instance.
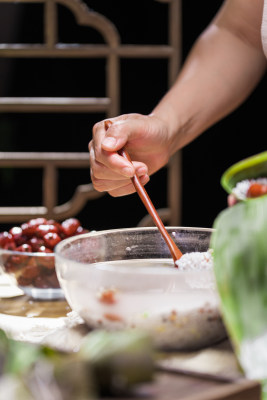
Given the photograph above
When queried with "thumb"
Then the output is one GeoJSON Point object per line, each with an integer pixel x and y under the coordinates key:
{"type": "Point", "coordinates": [116, 137]}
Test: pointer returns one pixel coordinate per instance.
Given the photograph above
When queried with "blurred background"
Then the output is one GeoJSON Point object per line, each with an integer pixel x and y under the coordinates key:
{"type": "Point", "coordinates": [143, 83]}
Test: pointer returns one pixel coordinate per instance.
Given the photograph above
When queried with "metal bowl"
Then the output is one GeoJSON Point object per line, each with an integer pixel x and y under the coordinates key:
{"type": "Point", "coordinates": [125, 278]}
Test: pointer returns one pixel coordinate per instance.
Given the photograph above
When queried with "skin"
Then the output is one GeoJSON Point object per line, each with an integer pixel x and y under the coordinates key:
{"type": "Point", "coordinates": [222, 69]}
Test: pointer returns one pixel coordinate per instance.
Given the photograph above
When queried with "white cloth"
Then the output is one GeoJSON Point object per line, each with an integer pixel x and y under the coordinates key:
{"type": "Point", "coordinates": [7, 289]}
{"type": "Point", "coordinates": [31, 330]}
{"type": "Point", "coordinates": [63, 333]}
{"type": "Point", "coordinates": [264, 28]}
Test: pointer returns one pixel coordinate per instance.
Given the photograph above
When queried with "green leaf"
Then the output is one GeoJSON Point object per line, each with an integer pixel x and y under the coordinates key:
{"type": "Point", "coordinates": [119, 359]}
{"type": "Point", "coordinates": [20, 357]}
{"type": "Point", "coordinates": [240, 265]}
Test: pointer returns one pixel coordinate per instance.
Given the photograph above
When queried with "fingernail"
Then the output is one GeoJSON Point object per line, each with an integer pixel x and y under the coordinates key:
{"type": "Point", "coordinates": [109, 142]}
{"type": "Point", "coordinates": [141, 171]}
{"type": "Point", "coordinates": [144, 179]}
{"type": "Point", "coordinates": [127, 172]}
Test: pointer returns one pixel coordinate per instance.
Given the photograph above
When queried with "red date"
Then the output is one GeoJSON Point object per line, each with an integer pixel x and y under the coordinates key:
{"type": "Point", "coordinates": [256, 190]}
{"type": "Point", "coordinates": [36, 243]}
{"type": "Point", "coordinates": [5, 239]}
{"type": "Point", "coordinates": [70, 226]}
{"type": "Point", "coordinates": [51, 239]}
{"type": "Point", "coordinates": [38, 235]}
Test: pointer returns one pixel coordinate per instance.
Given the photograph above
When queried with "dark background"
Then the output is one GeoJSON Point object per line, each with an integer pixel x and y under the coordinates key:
{"type": "Point", "coordinates": [144, 82]}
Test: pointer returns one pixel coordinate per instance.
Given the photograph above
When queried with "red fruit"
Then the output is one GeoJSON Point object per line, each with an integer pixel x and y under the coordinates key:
{"type": "Point", "coordinates": [56, 224]}
{"type": "Point", "coordinates": [29, 228]}
{"type": "Point", "coordinates": [42, 230]}
{"type": "Point", "coordinates": [11, 246]}
{"type": "Point", "coordinates": [52, 280]}
{"type": "Point", "coordinates": [5, 238]}
{"type": "Point", "coordinates": [16, 233]}
{"type": "Point", "coordinates": [20, 260]}
{"type": "Point", "coordinates": [30, 271]}
{"type": "Point", "coordinates": [46, 262]}
{"type": "Point", "coordinates": [44, 249]}
{"type": "Point", "coordinates": [40, 282]}
{"type": "Point", "coordinates": [21, 240]}
{"type": "Point", "coordinates": [70, 226]}
{"type": "Point", "coordinates": [24, 248]}
{"type": "Point", "coordinates": [37, 221]}
{"type": "Point", "coordinates": [51, 239]}
{"type": "Point", "coordinates": [80, 230]}
{"type": "Point", "coordinates": [10, 267]}
{"type": "Point", "coordinates": [256, 190]}
{"type": "Point", "coordinates": [35, 243]}
{"type": "Point", "coordinates": [24, 281]}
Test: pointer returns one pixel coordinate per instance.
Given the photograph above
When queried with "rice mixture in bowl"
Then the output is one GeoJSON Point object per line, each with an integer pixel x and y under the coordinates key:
{"type": "Point", "coordinates": [125, 278]}
{"type": "Point", "coordinates": [250, 188]}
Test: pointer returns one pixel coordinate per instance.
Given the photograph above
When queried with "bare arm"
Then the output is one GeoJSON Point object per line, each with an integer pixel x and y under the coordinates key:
{"type": "Point", "coordinates": [224, 66]}
{"type": "Point", "coordinates": [222, 69]}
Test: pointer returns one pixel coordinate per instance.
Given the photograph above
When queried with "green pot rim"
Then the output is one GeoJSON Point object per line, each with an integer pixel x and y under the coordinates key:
{"type": "Point", "coordinates": [250, 168]}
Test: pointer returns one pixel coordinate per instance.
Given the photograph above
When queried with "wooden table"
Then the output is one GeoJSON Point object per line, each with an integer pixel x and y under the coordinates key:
{"type": "Point", "coordinates": [166, 385]}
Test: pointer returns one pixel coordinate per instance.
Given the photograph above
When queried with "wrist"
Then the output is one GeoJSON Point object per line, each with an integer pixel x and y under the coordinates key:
{"type": "Point", "coordinates": [170, 126]}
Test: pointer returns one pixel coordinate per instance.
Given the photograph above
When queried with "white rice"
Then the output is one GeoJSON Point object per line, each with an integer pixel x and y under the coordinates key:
{"type": "Point", "coordinates": [241, 188]}
{"type": "Point", "coordinates": [195, 261]}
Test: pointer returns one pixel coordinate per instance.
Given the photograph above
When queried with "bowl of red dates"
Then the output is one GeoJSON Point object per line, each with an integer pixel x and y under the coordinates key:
{"type": "Point", "coordinates": [27, 255]}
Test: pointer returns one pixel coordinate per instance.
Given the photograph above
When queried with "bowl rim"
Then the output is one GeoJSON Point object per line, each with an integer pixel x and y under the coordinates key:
{"type": "Point", "coordinates": [66, 241]}
{"type": "Point", "coordinates": [25, 253]}
{"type": "Point", "coordinates": [139, 229]}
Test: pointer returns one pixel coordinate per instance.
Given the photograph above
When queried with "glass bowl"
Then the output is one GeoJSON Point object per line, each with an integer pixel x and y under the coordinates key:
{"type": "Point", "coordinates": [124, 278]}
{"type": "Point", "coordinates": [34, 273]}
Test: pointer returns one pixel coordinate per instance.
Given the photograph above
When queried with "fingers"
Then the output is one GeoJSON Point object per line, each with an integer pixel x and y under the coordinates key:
{"type": "Point", "coordinates": [105, 180]}
{"type": "Point", "coordinates": [106, 155]}
{"type": "Point", "coordinates": [100, 171]}
{"type": "Point", "coordinates": [110, 163]}
{"type": "Point", "coordinates": [110, 171]}
{"type": "Point", "coordinates": [231, 200]}
{"type": "Point", "coordinates": [128, 188]}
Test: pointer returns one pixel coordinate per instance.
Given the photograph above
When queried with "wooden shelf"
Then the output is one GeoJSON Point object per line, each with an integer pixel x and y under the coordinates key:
{"type": "Point", "coordinates": [54, 104]}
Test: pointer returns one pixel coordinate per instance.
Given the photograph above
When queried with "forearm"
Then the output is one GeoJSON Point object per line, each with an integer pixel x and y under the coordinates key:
{"type": "Point", "coordinates": [219, 74]}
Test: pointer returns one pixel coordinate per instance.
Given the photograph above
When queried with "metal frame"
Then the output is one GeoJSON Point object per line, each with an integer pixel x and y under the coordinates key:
{"type": "Point", "coordinates": [112, 51]}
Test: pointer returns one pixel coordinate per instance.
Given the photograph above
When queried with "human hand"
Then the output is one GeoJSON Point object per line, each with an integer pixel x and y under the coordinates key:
{"type": "Point", "coordinates": [147, 141]}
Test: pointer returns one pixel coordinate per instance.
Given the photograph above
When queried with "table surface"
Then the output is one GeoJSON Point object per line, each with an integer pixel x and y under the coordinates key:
{"type": "Point", "coordinates": [168, 384]}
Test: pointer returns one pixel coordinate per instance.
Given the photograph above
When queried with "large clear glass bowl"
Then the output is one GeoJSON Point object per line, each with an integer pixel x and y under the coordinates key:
{"type": "Point", "coordinates": [125, 278]}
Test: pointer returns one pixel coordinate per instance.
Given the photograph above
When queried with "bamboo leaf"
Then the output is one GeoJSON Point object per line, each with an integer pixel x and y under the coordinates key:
{"type": "Point", "coordinates": [240, 265]}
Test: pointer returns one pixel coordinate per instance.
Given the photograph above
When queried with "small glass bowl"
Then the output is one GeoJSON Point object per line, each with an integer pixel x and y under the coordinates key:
{"type": "Point", "coordinates": [33, 273]}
